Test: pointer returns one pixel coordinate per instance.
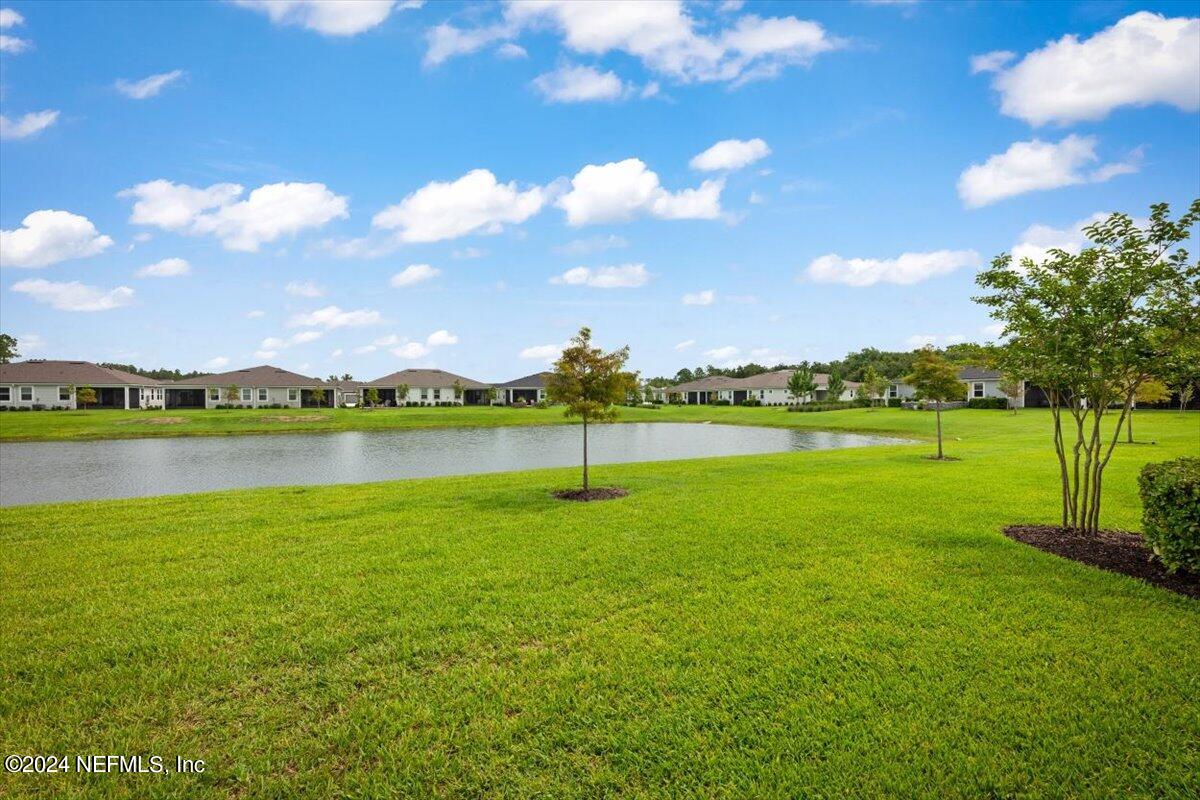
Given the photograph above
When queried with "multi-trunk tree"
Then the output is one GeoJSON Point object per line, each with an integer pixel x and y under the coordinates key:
{"type": "Point", "coordinates": [1090, 328]}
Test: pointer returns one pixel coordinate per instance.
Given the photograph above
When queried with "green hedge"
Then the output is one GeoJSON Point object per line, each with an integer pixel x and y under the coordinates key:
{"type": "Point", "coordinates": [988, 402]}
{"type": "Point", "coordinates": [1171, 520]}
{"type": "Point", "coordinates": [834, 405]}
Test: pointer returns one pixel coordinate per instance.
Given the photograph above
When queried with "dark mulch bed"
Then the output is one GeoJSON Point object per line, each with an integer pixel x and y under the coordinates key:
{"type": "Point", "coordinates": [1115, 551]}
{"type": "Point", "coordinates": [943, 458]}
{"type": "Point", "coordinates": [595, 493]}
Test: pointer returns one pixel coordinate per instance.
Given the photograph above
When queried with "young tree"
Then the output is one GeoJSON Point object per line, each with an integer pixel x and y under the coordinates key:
{"type": "Point", "coordinates": [1013, 388]}
{"type": "Point", "coordinates": [371, 396]}
{"type": "Point", "coordinates": [801, 384]}
{"type": "Point", "coordinates": [590, 383]}
{"type": "Point", "coordinates": [1090, 329]}
{"type": "Point", "coordinates": [402, 394]}
{"type": "Point", "coordinates": [873, 384]}
{"type": "Point", "coordinates": [233, 394]}
{"type": "Point", "coordinates": [318, 396]}
{"type": "Point", "coordinates": [85, 395]}
{"type": "Point", "coordinates": [835, 387]}
{"type": "Point", "coordinates": [1181, 372]}
{"type": "Point", "coordinates": [458, 389]}
{"type": "Point", "coordinates": [8, 348]}
{"type": "Point", "coordinates": [1151, 390]}
{"type": "Point", "coordinates": [936, 379]}
{"type": "Point", "coordinates": [491, 394]}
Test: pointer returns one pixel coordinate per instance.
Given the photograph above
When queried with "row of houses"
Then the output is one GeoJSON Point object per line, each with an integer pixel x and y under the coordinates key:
{"type": "Point", "coordinates": [771, 389]}
{"type": "Point", "coordinates": [54, 384]}
{"type": "Point", "coordinates": [51, 384]}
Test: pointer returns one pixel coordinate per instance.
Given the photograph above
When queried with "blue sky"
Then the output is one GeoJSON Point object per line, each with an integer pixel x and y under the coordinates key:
{"type": "Point", "coordinates": [240, 183]}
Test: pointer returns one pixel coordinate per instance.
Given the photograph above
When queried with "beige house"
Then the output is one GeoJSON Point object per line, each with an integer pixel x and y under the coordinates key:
{"type": "Point", "coordinates": [253, 387]}
{"type": "Point", "coordinates": [40, 383]}
{"type": "Point", "coordinates": [769, 388]}
{"type": "Point", "coordinates": [428, 387]}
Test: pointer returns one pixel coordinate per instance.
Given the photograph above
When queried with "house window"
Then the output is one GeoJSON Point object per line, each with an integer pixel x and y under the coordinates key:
{"type": "Point", "coordinates": [26, 394]}
{"type": "Point", "coordinates": [246, 395]}
{"type": "Point", "coordinates": [262, 395]}
{"type": "Point", "coordinates": [293, 395]}
{"type": "Point", "coordinates": [214, 394]}
{"type": "Point", "coordinates": [893, 391]}
{"type": "Point", "coordinates": [424, 394]}
{"type": "Point", "coordinates": [437, 394]}
{"type": "Point", "coordinates": [976, 390]}
{"type": "Point", "coordinates": [5, 394]}
{"type": "Point", "coordinates": [64, 393]}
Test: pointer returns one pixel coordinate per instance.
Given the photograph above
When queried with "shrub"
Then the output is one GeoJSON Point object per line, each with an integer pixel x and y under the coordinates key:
{"type": "Point", "coordinates": [988, 402]}
{"type": "Point", "coordinates": [895, 402]}
{"type": "Point", "coordinates": [1171, 497]}
{"type": "Point", "coordinates": [832, 405]}
{"type": "Point", "coordinates": [719, 403]}
{"type": "Point", "coordinates": [541, 404]}
{"type": "Point", "coordinates": [752, 402]}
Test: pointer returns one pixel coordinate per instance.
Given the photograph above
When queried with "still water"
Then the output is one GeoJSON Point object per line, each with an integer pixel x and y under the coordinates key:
{"type": "Point", "coordinates": [52, 472]}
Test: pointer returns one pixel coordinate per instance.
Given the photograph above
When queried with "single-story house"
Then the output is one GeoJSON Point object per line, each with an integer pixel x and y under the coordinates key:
{"type": "Point", "coordinates": [768, 388]}
{"type": "Point", "coordinates": [429, 387]}
{"type": "Point", "coordinates": [54, 384]}
{"type": "Point", "coordinates": [531, 389]}
{"type": "Point", "coordinates": [345, 392]}
{"type": "Point", "coordinates": [252, 387]}
{"type": "Point", "coordinates": [977, 383]}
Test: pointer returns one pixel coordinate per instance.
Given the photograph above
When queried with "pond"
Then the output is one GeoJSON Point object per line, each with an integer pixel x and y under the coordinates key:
{"type": "Point", "coordinates": [52, 472]}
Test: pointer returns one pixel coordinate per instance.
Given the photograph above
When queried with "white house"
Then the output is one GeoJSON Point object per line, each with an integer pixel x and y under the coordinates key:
{"type": "Point", "coordinates": [768, 388]}
{"type": "Point", "coordinates": [252, 387]}
{"type": "Point", "coordinates": [531, 389]}
{"type": "Point", "coordinates": [428, 387]}
{"type": "Point", "coordinates": [977, 383]}
{"type": "Point", "coordinates": [55, 384]}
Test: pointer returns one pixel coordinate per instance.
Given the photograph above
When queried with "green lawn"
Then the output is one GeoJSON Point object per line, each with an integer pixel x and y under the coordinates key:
{"type": "Point", "coordinates": [77, 425]}
{"type": "Point", "coordinates": [843, 623]}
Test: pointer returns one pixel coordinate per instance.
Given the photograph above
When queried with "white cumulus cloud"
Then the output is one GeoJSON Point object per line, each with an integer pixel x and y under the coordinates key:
{"type": "Point", "coordinates": [1036, 166]}
{"type": "Point", "coordinates": [991, 62]}
{"type": "Point", "coordinates": [167, 268]}
{"type": "Point", "coordinates": [47, 237]}
{"type": "Point", "coordinates": [730, 154]}
{"type": "Point", "coordinates": [304, 289]}
{"type": "Point", "coordinates": [267, 213]}
{"type": "Point", "coordinates": [148, 87]}
{"type": "Point", "coordinates": [215, 363]}
{"type": "Point", "coordinates": [722, 353]}
{"type": "Point", "coordinates": [685, 344]}
{"type": "Point", "coordinates": [331, 317]}
{"type": "Point", "coordinates": [703, 298]}
{"type": "Point", "coordinates": [1036, 241]}
{"type": "Point", "coordinates": [328, 17]}
{"type": "Point", "coordinates": [907, 268]}
{"type": "Point", "coordinates": [73, 295]}
{"type": "Point", "coordinates": [1142, 60]}
{"type": "Point", "coordinates": [413, 274]}
{"type": "Point", "coordinates": [411, 350]}
{"type": "Point", "coordinates": [27, 125]}
{"type": "Point", "coordinates": [579, 84]}
{"type": "Point", "coordinates": [442, 338]}
{"type": "Point", "coordinates": [621, 190]}
{"type": "Point", "coordinates": [544, 352]}
{"type": "Point", "coordinates": [624, 276]}
{"type": "Point", "coordinates": [476, 202]}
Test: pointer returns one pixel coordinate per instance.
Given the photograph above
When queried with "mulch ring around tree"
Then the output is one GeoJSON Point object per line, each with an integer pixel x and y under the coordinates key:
{"type": "Point", "coordinates": [1114, 551]}
{"type": "Point", "coordinates": [588, 495]}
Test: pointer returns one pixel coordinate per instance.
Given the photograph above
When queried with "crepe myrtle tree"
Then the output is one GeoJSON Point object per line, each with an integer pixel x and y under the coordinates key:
{"type": "Point", "coordinates": [318, 396]}
{"type": "Point", "coordinates": [934, 378]}
{"type": "Point", "coordinates": [232, 394]}
{"type": "Point", "coordinates": [371, 396]}
{"type": "Point", "coordinates": [491, 393]}
{"type": "Point", "coordinates": [590, 383]}
{"type": "Point", "coordinates": [1013, 387]}
{"type": "Point", "coordinates": [401, 394]}
{"type": "Point", "coordinates": [1090, 328]}
{"type": "Point", "coordinates": [801, 384]}
{"type": "Point", "coordinates": [872, 385]}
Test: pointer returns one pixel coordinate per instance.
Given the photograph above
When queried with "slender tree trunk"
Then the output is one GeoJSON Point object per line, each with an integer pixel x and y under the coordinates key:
{"type": "Point", "coordinates": [1129, 428]}
{"type": "Point", "coordinates": [585, 464]}
{"type": "Point", "coordinates": [1076, 449]}
{"type": "Point", "coordinates": [1061, 452]}
{"type": "Point", "coordinates": [938, 406]}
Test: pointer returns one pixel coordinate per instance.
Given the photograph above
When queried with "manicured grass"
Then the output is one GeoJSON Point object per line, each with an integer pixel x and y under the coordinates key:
{"type": "Point", "coordinates": [841, 623]}
{"type": "Point", "coordinates": [77, 425]}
